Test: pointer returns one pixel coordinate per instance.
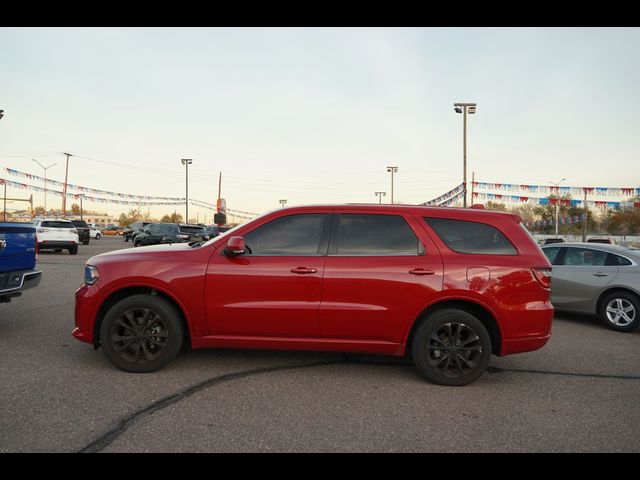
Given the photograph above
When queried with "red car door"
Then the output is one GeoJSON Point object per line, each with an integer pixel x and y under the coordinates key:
{"type": "Point", "coordinates": [378, 276]}
{"type": "Point", "coordinates": [273, 290]}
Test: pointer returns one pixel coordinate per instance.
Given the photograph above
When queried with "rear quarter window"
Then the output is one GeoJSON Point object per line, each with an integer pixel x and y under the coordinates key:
{"type": "Point", "coordinates": [464, 236]}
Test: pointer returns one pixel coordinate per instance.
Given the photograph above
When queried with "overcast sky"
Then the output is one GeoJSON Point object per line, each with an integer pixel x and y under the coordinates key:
{"type": "Point", "coordinates": [315, 114]}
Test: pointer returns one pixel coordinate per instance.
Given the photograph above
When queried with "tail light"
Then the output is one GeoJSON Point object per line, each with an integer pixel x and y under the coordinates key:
{"type": "Point", "coordinates": [543, 276]}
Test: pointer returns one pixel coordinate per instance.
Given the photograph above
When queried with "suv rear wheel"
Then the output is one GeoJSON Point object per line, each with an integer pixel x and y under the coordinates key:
{"type": "Point", "coordinates": [73, 250]}
{"type": "Point", "coordinates": [141, 333]}
{"type": "Point", "coordinates": [451, 347]}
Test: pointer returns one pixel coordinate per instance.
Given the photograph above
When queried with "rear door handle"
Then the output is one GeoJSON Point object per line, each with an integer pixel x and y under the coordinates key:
{"type": "Point", "coordinates": [302, 270]}
{"type": "Point", "coordinates": [600, 274]}
{"type": "Point", "coordinates": [421, 271]}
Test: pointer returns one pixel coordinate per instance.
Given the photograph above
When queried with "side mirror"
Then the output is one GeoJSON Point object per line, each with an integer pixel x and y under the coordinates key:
{"type": "Point", "coordinates": [235, 246]}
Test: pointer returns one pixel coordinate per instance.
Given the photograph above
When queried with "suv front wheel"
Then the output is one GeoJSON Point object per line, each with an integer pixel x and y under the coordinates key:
{"type": "Point", "coordinates": [451, 347]}
{"type": "Point", "coordinates": [141, 333]}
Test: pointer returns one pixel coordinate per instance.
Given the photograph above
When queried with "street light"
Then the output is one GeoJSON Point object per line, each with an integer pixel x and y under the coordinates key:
{"type": "Point", "coordinates": [283, 202]}
{"type": "Point", "coordinates": [186, 162]}
{"type": "Point", "coordinates": [45, 181]}
{"type": "Point", "coordinates": [392, 170]}
{"type": "Point", "coordinates": [557, 201]}
{"type": "Point", "coordinates": [380, 195]}
{"type": "Point", "coordinates": [464, 108]}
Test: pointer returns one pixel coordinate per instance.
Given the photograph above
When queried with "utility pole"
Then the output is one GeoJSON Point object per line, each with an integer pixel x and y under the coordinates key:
{"type": "Point", "coordinates": [64, 195]}
{"type": "Point", "coordinates": [5, 200]}
{"type": "Point", "coordinates": [473, 180]}
{"type": "Point", "coordinates": [586, 216]}
{"type": "Point", "coordinates": [392, 170]}
{"type": "Point", "coordinates": [380, 195]}
{"type": "Point", "coordinates": [81, 195]}
{"type": "Point", "coordinates": [186, 162]}
{"type": "Point", "coordinates": [557, 201]}
{"type": "Point", "coordinates": [220, 186]}
{"type": "Point", "coordinates": [464, 108]}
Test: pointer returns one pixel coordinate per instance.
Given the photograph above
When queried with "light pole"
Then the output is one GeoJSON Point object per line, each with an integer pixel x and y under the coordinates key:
{"type": "Point", "coordinates": [64, 196]}
{"type": "Point", "coordinates": [283, 202]}
{"type": "Point", "coordinates": [186, 162]}
{"type": "Point", "coordinates": [45, 181]}
{"type": "Point", "coordinates": [392, 170]}
{"type": "Point", "coordinates": [557, 201]}
{"type": "Point", "coordinates": [464, 108]}
{"type": "Point", "coordinates": [380, 195]}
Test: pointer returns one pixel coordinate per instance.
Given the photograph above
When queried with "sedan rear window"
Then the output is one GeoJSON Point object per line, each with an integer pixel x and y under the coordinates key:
{"type": "Point", "coordinates": [471, 237]}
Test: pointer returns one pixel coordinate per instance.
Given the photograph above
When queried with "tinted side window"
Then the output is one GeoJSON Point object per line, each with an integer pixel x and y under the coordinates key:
{"type": "Point", "coordinates": [471, 237]}
{"type": "Point", "coordinates": [552, 254]}
{"type": "Point", "coordinates": [291, 235]}
{"type": "Point", "coordinates": [584, 257]}
{"type": "Point", "coordinates": [363, 234]}
{"type": "Point", "coordinates": [616, 260]}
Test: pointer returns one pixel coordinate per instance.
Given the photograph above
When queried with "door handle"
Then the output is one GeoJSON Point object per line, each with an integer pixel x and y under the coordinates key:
{"type": "Point", "coordinates": [421, 271]}
{"type": "Point", "coordinates": [302, 270]}
{"type": "Point", "coordinates": [600, 274]}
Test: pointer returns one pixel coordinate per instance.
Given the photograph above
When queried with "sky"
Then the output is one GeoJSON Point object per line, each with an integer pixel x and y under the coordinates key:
{"type": "Point", "coordinates": [315, 115]}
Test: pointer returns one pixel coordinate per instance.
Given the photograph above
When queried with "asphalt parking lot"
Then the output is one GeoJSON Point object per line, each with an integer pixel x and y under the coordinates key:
{"type": "Point", "coordinates": [578, 394]}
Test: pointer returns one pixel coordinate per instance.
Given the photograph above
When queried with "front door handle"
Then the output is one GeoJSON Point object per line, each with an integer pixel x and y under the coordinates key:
{"type": "Point", "coordinates": [421, 271]}
{"type": "Point", "coordinates": [600, 274]}
{"type": "Point", "coordinates": [302, 270]}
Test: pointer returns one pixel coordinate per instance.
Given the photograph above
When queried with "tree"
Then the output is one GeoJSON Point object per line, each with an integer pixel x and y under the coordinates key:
{"type": "Point", "coordinates": [133, 216]}
{"type": "Point", "coordinates": [498, 207]}
{"type": "Point", "coordinates": [75, 209]}
{"type": "Point", "coordinates": [173, 218]}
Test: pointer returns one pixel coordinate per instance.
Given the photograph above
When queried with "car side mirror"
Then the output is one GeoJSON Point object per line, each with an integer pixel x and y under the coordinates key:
{"type": "Point", "coordinates": [235, 247]}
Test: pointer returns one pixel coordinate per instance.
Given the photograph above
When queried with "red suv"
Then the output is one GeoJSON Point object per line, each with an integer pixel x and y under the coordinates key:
{"type": "Point", "coordinates": [446, 286]}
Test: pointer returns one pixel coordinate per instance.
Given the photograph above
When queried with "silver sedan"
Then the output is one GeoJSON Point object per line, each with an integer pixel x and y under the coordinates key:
{"type": "Point", "coordinates": [597, 279]}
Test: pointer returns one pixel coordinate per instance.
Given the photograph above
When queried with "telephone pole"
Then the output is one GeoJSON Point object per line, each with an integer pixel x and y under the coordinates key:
{"type": "Point", "coordinates": [186, 162]}
{"type": "Point", "coordinates": [64, 195]}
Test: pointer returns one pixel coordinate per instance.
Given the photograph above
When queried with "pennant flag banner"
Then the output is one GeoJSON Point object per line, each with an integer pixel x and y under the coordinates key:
{"type": "Point", "coordinates": [550, 189]}
{"type": "Point", "coordinates": [447, 197]}
{"type": "Point", "coordinates": [79, 188]}
{"type": "Point", "coordinates": [552, 201]}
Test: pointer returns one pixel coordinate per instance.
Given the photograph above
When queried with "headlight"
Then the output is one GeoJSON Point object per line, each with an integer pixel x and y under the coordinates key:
{"type": "Point", "coordinates": [91, 274]}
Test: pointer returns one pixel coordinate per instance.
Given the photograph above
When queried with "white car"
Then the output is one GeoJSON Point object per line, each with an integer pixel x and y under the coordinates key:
{"type": "Point", "coordinates": [94, 231]}
{"type": "Point", "coordinates": [56, 234]}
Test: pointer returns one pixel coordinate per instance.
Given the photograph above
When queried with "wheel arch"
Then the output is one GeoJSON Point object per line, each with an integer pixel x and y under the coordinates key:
{"type": "Point", "coordinates": [479, 311]}
{"type": "Point", "coordinates": [117, 295]}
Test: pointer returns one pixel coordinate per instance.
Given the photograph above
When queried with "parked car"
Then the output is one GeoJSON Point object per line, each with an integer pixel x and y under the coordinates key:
{"type": "Point", "coordinates": [156, 233]}
{"type": "Point", "coordinates": [605, 240]}
{"type": "Point", "coordinates": [448, 287]}
{"type": "Point", "coordinates": [113, 230]}
{"type": "Point", "coordinates": [134, 229]}
{"type": "Point", "coordinates": [597, 279]}
{"type": "Point", "coordinates": [84, 232]}
{"type": "Point", "coordinates": [56, 234]}
{"type": "Point", "coordinates": [94, 231]}
{"type": "Point", "coordinates": [549, 241]}
{"type": "Point", "coordinates": [17, 259]}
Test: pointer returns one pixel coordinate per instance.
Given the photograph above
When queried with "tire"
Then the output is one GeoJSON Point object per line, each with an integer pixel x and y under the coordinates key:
{"type": "Point", "coordinates": [98, 236]}
{"type": "Point", "coordinates": [136, 244]}
{"type": "Point", "coordinates": [73, 250]}
{"type": "Point", "coordinates": [620, 311]}
{"type": "Point", "coordinates": [133, 320]}
{"type": "Point", "coordinates": [126, 239]}
{"type": "Point", "coordinates": [451, 365]}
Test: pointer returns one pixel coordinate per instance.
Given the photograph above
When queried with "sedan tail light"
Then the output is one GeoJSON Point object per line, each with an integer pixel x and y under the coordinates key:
{"type": "Point", "coordinates": [543, 276]}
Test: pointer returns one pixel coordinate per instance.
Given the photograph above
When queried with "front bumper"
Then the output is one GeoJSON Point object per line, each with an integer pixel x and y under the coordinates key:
{"type": "Point", "coordinates": [88, 300]}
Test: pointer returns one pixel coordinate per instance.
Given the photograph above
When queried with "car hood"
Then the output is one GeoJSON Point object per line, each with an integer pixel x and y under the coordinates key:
{"type": "Point", "coordinates": [139, 253]}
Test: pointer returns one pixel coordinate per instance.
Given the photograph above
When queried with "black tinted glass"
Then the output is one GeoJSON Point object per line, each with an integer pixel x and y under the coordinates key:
{"type": "Point", "coordinates": [56, 224]}
{"type": "Point", "coordinates": [80, 223]}
{"type": "Point", "coordinates": [616, 260]}
{"type": "Point", "coordinates": [292, 235]}
{"type": "Point", "coordinates": [376, 235]}
{"type": "Point", "coordinates": [192, 230]}
{"type": "Point", "coordinates": [552, 254]}
{"type": "Point", "coordinates": [585, 257]}
{"type": "Point", "coordinates": [471, 237]}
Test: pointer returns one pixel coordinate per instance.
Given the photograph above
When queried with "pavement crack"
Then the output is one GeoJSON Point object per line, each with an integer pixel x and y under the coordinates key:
{"type": "Point", "coordinates": [565, 374]}
{"type": "Point", "coordinates": [123, 424]}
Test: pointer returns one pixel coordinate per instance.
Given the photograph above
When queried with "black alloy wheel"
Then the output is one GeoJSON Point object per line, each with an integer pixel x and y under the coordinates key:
{"type": "Point", "coordinates": [141, 333]}
{"type": "Point", "coordinates": [451, 347]}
